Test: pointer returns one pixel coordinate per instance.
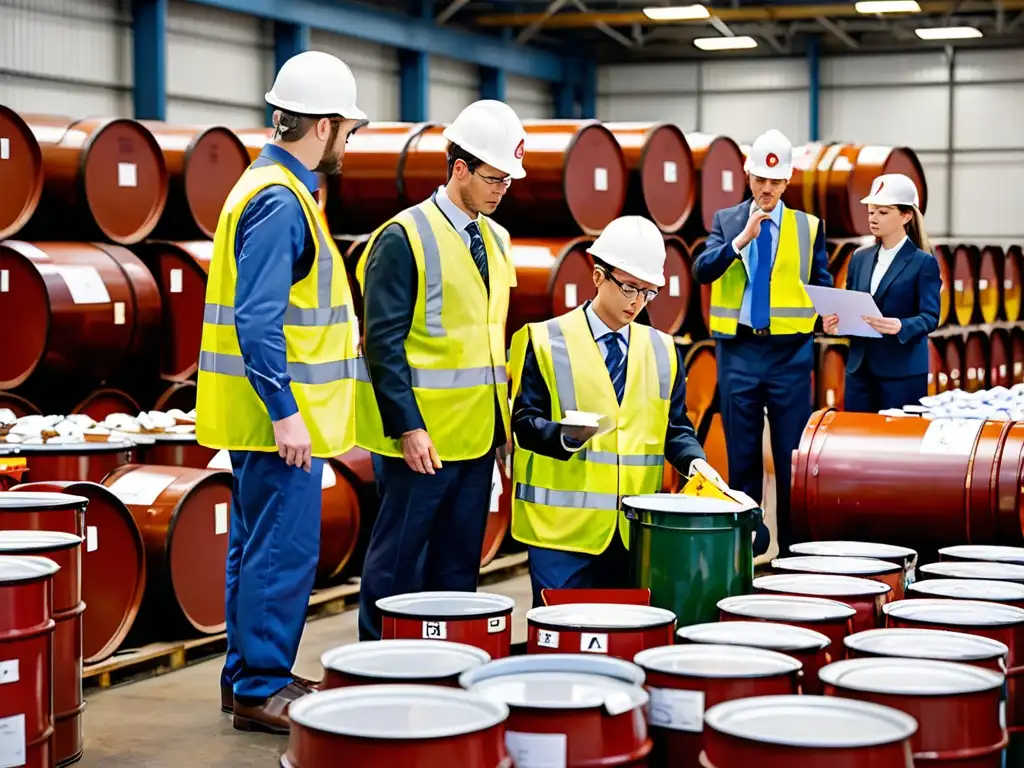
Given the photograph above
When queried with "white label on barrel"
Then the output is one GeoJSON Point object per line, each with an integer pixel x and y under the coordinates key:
{"type": "Point", "coordinates": [671, 172]}
{"type": "Point", "coordinates": [92, 537]}
{"type": "Point", "coordinates": [327, 478]}
{"type": "Point", "coordinates": [12, 741]}
{"type": "Point", "coordinates": [727, 181]}
{"type": "Point", "coordinates": [5, 149]}
{"type": "Point", "coordinates": [830, 397]}
{"type": "Point", "coordinates": [118, 313]}
{"type": "Point", "coordinates": [537, 750]}
{"type": "Point", "coordinates": [9, 672]}
{"type": "Point", "coordinates": [220, 518]}
{"type": "Point", "coordinates": [140, 487]}
{"type": "Point", "coordinates": [1002, 369]}
{"type": "Point", "coordinates": [85, 284]}
{"type": "Point", "coordinates": [982, 283]}
{"type": "Point", "coordinates": [175, 281]}
{"type": "Point", "coordinates": [547, 639]}
{"type": "Point", "coordinates": [127, 175]}
{"type": "Point", "coordinates": [5, 280]}
{"type": "Point", "coordinates": [1007, 283]}
{"type": "Point", "coordinates": [600, 179]}
{"type": "Point", "coordinates": [673, 285]}
{"type": "Point", "coordinates": [435, 630]}
{"type": "Point", "coordinates": [495, 625]}
{"type": "Point", "coordinates": [1002, 713]}
{"type": "Point", "coordinates": [571, 299]}
{"type": "Point", "coordinates": [496, 487]}
{"type": "Point", "coordinates": [590, 643]}
{"type": "Point", "coordinates": [958, 285]}
{"type": "Point", "coordinates": [951, 436]}
{"type": "Point", "coordinates": [675, 709]}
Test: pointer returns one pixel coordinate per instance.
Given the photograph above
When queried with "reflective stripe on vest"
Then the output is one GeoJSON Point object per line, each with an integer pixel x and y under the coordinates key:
{"type": "Point", "coordinates": [567, 499]}
{"type": "Point", "coordinates": [218, 314]}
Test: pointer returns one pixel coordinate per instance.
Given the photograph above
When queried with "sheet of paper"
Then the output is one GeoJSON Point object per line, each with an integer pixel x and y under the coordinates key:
{"type": "Point", "coordinates": [849, 305]}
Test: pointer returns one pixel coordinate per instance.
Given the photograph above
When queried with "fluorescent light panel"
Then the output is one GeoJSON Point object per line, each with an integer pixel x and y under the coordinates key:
{"type": "Point", "coordinates": [947, 33]}
{"type": "Point", "coordinates": [887, 6]}
{"type": "Point", "coordinates": [725, 43]}
{"type": "Point", "coordinates": [677, 13]}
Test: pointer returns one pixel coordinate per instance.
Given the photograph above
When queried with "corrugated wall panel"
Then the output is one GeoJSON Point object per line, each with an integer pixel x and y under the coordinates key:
{"type": "Point", "coordinates": [375, 68]}
{"type": "Point", "coordinates": [454, 85]}
{"type": "Point", "coordinates": [531, 99]}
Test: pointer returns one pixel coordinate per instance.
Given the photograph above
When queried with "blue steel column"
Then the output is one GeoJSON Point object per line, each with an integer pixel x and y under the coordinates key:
{"type": "Point", "coordinates": [149, 44]}
{"type": "Point", "coordinates": [492, 83]}
{"type": "Point", "coordinates": [414, 74]}
{"type": "Point", "coordinates": [289, 40]}
{"type": "Point", "coordinates": [814, 86]}
{"type": "Point", "coordinates": [588, 90]}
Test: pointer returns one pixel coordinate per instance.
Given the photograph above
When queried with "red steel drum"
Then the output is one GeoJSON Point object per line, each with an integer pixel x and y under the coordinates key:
{"type": "Point", "coordinates": [904, 557]}
{"type": "Point", "coordinates": [685, 680]}
{"type": "Point", "coordinates": [953, 362]}
{"type": "Point", "coordinates": [812, 649]}
{"type": "Point", "coordinates": [670, 307]}
{"type": "Point", "coordinates": [23, 173]}
{"type": "Point", "coordinates": [964, 277]}
{"type": "Point", "coordinates": [498, 517]}
{"type": "Point", "coordinates": [830, 376]}
{"type": "Point", "coordinates": [982, 552]}
{"type": "Point", "coordinates": [1012, 284]}
{"type": "Point", "coordinates": [176, 450]}
{"type": "Point", "coordinates": [803, 732]}
{"type": "Point", "coordinates": [701, 379]}
{"type": "Point", "coordinates": [416, 726]}
{"type": "Point", "coordinates": [106, 179]}
{"type": "Point", "coordinates": [970, 570]}
{"type": "Point", "coordinates": [865, 595]}
{"type": "Point", "coordinates": [419, 662]}
{"type": "Point", "coordinates": [184, 515]}
{"type": "Point", "coordinates": [722, 182]}
{"type": "Point", "coordinates": [553, 277]}
{"type": "Point", "coordinates": [970, 589]}
{"type": "Point", "coordinates": [64, 549]}
{"type": "Point", "coordinates": [113, 575]}
{"type": "Point", "coordinates": [938, 381]}
{"type": "Point", "coordinates": [969, 493]}
{"type": "Point", "coordinates": [662, 179]}
{"type": "Point", "coordinates": [568, 710]}
{"type": "Point", "coordinates": [617, 630]}
{"type": "Point", "coordinates": [480, 619]}
{"type": "Point", "coordinates": [18, 405]}
{"type": "Point", "coordinates": [935, 644]}
{"type": "Point", "coordinates": [203, 165]}
{"type": "Point", "coordinates": [180, 395]}
{"type": "Point", "coordinates": [26, 672]}
{"type": "Point", "coordinates": [863, 567]}
{"type": "Point", "coordinates": [103, 402]}
{"type": "Point", "coordinates": [958, 708]}
{"type": "Point", "coordinates": [83, 462]}
{"type": "Point", "coordinates": [976, 362]}
{"type": "Point", "coordinates": [999, 362]}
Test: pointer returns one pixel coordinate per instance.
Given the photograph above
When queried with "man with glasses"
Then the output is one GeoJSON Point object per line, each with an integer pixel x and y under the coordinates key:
{"type": "Point", "coordinates": [595, 361]}
{"type": "Point", "coordinates": [436, 280]}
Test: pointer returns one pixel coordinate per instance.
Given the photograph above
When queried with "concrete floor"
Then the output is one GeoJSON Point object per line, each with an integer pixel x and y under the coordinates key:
{"type": "Point", "coordinates": [175, 720]}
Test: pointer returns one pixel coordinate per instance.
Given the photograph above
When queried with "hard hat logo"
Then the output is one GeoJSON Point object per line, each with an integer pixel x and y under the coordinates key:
{"type": "Point", "coordinates": [521, 149]}
{"type": "Point", "coordinates": [772, 160]}
{"type": "Point", "coordinates": [880, 185]}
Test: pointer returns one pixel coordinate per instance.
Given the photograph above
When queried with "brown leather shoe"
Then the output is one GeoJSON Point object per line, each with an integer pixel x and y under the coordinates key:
{"type": "Point", "coordinates": [271, 715]}
{"type": "Point", "coordinates": [227, 695]}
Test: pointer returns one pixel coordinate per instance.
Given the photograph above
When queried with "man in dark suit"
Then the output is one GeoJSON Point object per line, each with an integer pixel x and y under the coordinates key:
{"type": "Point", "coordinates": [758, 257]}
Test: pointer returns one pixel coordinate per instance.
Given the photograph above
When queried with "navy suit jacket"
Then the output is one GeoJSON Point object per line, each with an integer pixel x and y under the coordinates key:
{"type": "Point", "coordinates": [718, 254]}
{"type": "Point", "coordinates": [909, 290]}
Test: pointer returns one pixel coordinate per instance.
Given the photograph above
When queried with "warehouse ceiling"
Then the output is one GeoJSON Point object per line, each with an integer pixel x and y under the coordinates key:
{"type": "Point", "coordinates": [620, 31]}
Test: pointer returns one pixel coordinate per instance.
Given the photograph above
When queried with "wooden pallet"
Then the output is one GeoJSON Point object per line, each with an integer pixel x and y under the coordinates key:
{"type": "Point", "coordinates": [160, 658]}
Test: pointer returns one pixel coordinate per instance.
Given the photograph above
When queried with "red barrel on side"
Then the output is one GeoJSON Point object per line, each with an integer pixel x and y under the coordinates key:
{"type": "Point", "coordinates": [621, 631]}
{"type": "Point", "coordinates": [175, 450]}
{"type": "Point", "coordinates": [407, 662]}
{"type": "Point", "coordinates": [480, 619]}
{"type": "Point", "coordinates": [104, 402]}
{"type": "Point", "coordinates": [864, 595]}
{"type": "Point", "coordinates": [22, 164]}
{"type": "Point", "coordinates": [722, 180]}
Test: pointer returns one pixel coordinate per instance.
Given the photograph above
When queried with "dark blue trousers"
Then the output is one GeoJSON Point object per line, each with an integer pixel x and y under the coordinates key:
{"type": "Point", "coordinates": [555, 569]}
{"type": "Point", "coordinates": [272, 556]}
{"type": "Point", "coordinates": [754, 374]}
{"type": "Point", "coordinates": [428, 535]}
{"type": "Point", "coordinates": [867, 393]}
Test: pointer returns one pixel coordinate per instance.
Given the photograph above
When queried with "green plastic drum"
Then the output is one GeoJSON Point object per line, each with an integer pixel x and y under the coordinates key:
{"type": "Point", "coordinates": [690, 552]}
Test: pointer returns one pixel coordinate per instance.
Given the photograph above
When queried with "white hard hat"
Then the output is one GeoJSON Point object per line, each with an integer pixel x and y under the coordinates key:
{"type": "Point", "coordinates": [771, 156]}
{"type": "Point", "coordinates": [634, 245]}
{"type": "Point", "coordinates": [316, 83]}
{"type": "Point", "coordinates": [893, 189]}
{"type": "Point", "coordinates": [492, 132]}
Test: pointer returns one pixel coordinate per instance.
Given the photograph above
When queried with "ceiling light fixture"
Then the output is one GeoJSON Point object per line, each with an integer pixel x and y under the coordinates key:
{"type": "Point", "coordinates": [677, 13]}
{"type": "Point", "coordinates": [887, 6]}
{"type": "Point", "coordinates": [725, 43]}
{"type": "Point", "coordinates": [947, 33]}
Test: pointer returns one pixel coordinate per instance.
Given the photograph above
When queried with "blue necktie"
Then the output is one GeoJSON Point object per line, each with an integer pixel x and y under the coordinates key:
{"type": "Point", "coordinates": [477, 250]}
{"type": "Point", "coordinates": [616, 362]}
{"type": "Point", "coordinates": [760, 298]}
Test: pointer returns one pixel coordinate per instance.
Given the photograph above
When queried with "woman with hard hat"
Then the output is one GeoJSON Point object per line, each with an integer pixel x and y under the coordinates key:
{"type": "Point", "coordinates": [570, 474]}
{"type": "Point", "coordinates": [436, 281]}
{"type": "Point", "coordinates": [902, 275]}
{"type": "Point", "coordinates": [277, 366]}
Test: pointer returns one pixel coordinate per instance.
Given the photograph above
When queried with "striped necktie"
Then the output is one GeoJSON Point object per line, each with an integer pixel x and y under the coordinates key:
{"type": "Point", "coordinates": [477, 250]}
{"type": "Point", "coordinates": [616, 362]}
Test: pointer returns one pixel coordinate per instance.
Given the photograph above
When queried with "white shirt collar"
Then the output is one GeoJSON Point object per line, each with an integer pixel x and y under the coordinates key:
{"type": "Point", "coordinates": [889, 253]}
{"type": "Point", "coordinates": [455, 215]}
{"type": "Point", "coordinates": [599, 328]}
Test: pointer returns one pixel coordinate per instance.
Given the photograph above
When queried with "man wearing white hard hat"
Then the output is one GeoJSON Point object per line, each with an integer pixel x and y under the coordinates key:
{"type": "Point", "coordinates": [902, 275]}
{"type": "Point", "coordinates": [569, 473]}
{"type": "Point", "coordinates": [436, 280]}
{"type": "Point", "coordinates": [276, 386]}
{"type": "Point", "coordinates": [758, 257]}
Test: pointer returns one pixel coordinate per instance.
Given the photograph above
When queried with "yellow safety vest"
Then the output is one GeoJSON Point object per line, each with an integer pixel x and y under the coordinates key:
{"type": "Point", "coordinates": [319, 331]}
{"type": "Point", "coordinates": [574, 505]}
{"type": "Point", "coordinates": [456, 345]}
{"type": "Point", "coordinates": [791, 308]}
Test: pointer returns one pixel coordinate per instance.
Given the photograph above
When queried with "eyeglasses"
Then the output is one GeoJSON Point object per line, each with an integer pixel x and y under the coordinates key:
{"type": "Point", "coordinates": [631, 291]}
{"type": "Point", "coordinates": [494, 180]}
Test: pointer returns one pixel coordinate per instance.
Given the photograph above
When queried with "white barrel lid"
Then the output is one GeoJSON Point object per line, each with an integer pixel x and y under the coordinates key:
{"type": "Point", "coordinates": [966, 569]}
{"type": "Point", "coordinates": [938, 644]}
{"type": "Point", "coordinates": [786, 607]}
{"type": "Point", "coordinates": [811, 721]}
{"type": "Point", "coordinates": [563, 690]}
{"type": "Point", "coordinates": [755, 634]}
{"type": "Point", "coordinates": [955, 613]}
{"type": "Point", "coordinates": [404, 659]}
{"type": "Point", "coordinates": [86, 446]}
{"type": "Point", "coordinates": [576, 663]}
{"type": "Point", "coordinates": [683, 504]}
{"type": "Point", "coordinates": [447, 605]}
{"type": "Point", "coordinates": [394, 712]}
{"type": "Point", "coordinates": [859, 566]}
{"type": "Point", "coordinates": [821, 585]}
{"type": "Point", "coordinates": [910, 677]}
{"type": "Point", "coordinates": [600, 616]}
{"type": "Point", "coordinates": [37, 541]}
{"type": "Point", "coordinates": [970, 589]}
{"type": "Point", "coordinates": [34, 500]}
{"type": "Point", "coordinates": [990, 552]}
{"type": "Point", "coordinates": [868, 549]}
{"type": "Point", "coordinates": [19, 569]}
{"type": "Point", "coordinates": [720, 661]}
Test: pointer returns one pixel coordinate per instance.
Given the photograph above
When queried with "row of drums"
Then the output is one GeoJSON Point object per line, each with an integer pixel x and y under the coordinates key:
{"type": "Point", "coordinates": [848, 654]}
